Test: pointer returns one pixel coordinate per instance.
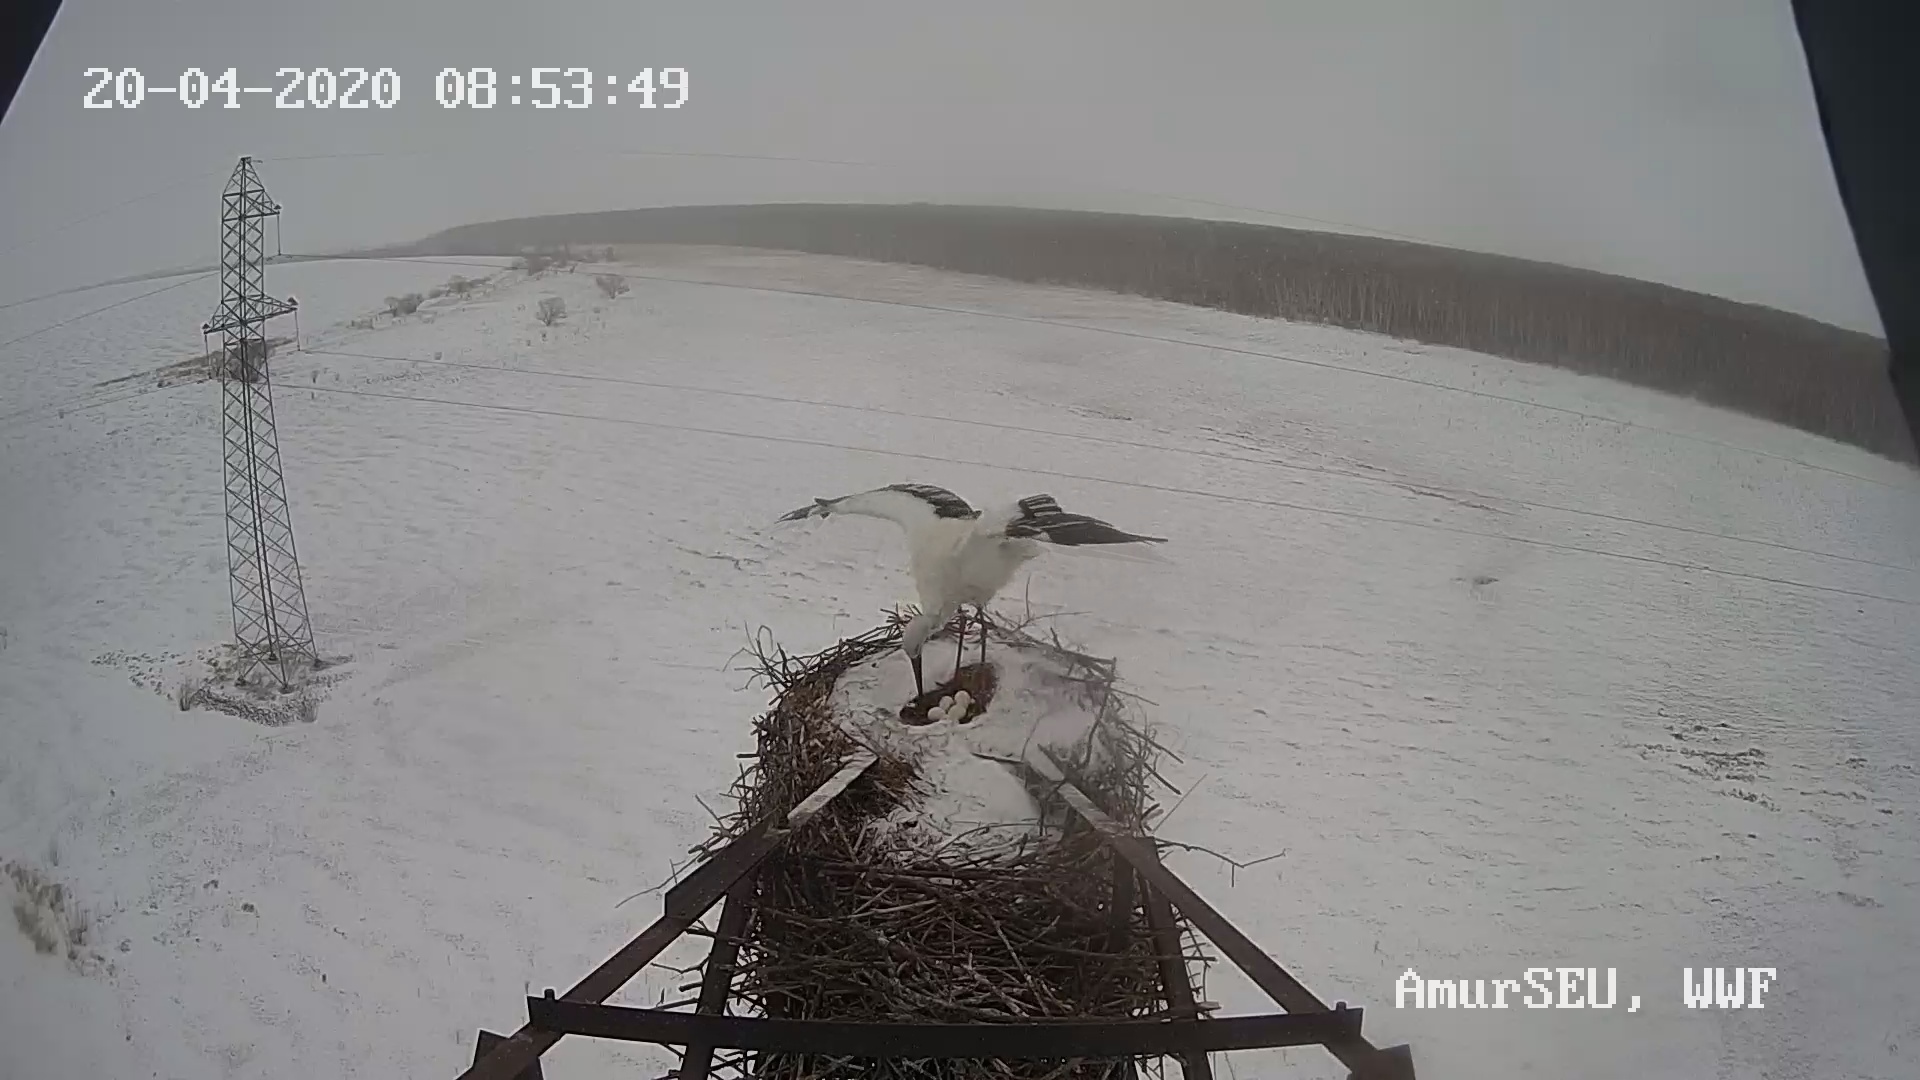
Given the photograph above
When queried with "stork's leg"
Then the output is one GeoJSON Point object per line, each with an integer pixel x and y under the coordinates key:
{"type": "Point", "coordinates": [960, 650]}
{"type": "Point", "coordinates": [919, 683]}
{"type": "Point", "coordinates": [982, 620]}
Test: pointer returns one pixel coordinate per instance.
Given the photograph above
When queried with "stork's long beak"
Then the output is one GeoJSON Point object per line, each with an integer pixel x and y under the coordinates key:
{"type": "Point", "coordinates": [797, 514]}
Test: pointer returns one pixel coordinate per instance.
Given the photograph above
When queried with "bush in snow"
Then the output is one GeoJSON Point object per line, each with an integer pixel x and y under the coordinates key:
{"type": "Point", "coordinates": [551, 310]}
{"type": "Point", "coordinates": [535, 264]}
{"type": "Point", "coordinates": [404, 305]}
{"type": "Point", "coordinates": [459, 286]}
{"type": "Point", "coordinates": [44, 912]}
{"type": "Point", "coordinates": [611, 285]}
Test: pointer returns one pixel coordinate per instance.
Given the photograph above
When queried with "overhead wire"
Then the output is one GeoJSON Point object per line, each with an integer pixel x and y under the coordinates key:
{"type": "Point", "coordinates": [1523, 402]}
{"type": "Point", "coordinates": [634, 275]}
{"type": "Point", "coordinates": [74, 405]}
{"type": "Point", "coordinates": [122, 302]}
{"type": "Point", "coordinates": [1106, 441]}
{"type": "Point", "coordinates": [69, 291]}
{"type": "Point", "coordinates": [105, 210]}
{"type": "Point", "coordinates": [1213, 346]}
{"type": "Point", "coordinates": [1136, 484]}
{"type": "Point", "coordinates": [1167, 488]}
{"type": "Point", "coordinates": [1235, 350]}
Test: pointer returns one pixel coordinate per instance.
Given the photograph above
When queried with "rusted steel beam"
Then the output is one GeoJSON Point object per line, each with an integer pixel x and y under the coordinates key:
{"type": "Point", "coordinates": [1365, 1061]}
{"type": "Point", "coordinates": [684, 904]}
{"type": "Point", "coordinates": [716, 982]}
{"type": "Point", "coordinates": [525, 1046]}
{"type": "Point", "coordinates": [1123, 905]}
{"type": "Point", "coordinates": [488, 1040]}
{"type": "Point", "coordinates": [1010, 1041]}
{"type": "Point", "coordinates": [691, 896]}
{"type": "Point", "coordinates": [1173, 975]}
{"type": "Point", "coordinates": [827, 792]}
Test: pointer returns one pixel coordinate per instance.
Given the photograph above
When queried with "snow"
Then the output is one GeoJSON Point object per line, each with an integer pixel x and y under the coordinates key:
{"type": "Point", "coordinates": [1517, 667]}
{"type": "Point", "coordinates": [963, 801]}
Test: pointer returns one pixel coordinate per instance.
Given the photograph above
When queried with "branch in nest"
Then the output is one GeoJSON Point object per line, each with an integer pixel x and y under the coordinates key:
{"type": "Point", "coordinates": [1231, 862]}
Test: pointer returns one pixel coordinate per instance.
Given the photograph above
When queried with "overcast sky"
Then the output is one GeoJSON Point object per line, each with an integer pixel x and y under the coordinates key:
{"type": "Point", "coordinates": [1674, 140]}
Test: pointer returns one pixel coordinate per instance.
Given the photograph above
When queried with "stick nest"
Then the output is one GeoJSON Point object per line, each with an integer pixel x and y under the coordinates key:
{"type": "Point", "coordinates": [845, 928]}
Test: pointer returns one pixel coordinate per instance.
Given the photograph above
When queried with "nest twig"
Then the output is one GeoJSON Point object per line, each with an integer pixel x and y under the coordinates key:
{"type": "Point", "coordinates": [849, 929]}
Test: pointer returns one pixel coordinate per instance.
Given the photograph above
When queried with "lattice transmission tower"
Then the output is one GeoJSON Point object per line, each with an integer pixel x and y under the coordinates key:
{"type": "Point", "coordinates": [269, 601]}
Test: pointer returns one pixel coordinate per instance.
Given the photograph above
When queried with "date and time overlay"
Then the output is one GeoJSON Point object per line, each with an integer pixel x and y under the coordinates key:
{"type": "Point", "coordinates": [354, 88]}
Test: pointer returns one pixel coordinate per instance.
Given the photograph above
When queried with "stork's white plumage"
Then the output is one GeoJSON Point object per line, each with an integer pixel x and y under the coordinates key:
{"type": "Point", "coordinates": [960, 555]}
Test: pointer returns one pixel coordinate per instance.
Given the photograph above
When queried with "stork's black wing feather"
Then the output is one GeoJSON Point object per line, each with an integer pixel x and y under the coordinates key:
{"type": "Point", "coordinates": [1041, 518]}
{"type": "Point", "coordinates": [945, 503]}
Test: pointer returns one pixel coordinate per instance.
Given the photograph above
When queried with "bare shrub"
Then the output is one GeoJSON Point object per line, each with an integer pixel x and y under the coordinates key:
{"type": "Point", "coordinates": [551, 310]}
{"type": "Point", "coordinates": [460, 286]}
{"type": "Point", "coordinates": [31, 923]}
{"type": "Point", "coordinates": [404, 305]}
{"type": "Point", "coordinates": [611, 285]}
{"type": "Point", "coordinates": [45, 913]}
{"type": "Point", "coordinates": [436, 292]}
{"type": "Point", "coordinates": [534, 264]}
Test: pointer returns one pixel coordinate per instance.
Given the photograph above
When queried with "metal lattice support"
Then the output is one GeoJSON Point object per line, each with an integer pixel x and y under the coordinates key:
{"type": "Point", "coordinates": [722, 1044]}
{"type": "Point", "coordinates": [269, 601]}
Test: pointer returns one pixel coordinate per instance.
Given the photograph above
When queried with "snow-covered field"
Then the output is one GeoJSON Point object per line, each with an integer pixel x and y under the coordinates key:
{"type": "Point", "coordinates": [1518, 668]}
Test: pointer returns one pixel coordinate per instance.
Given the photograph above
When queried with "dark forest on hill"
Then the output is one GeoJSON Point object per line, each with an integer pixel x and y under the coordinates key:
{"type": "Point", "coordinates": [1769, 363]}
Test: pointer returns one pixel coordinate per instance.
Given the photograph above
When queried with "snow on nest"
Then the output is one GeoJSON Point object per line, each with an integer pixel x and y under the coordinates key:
{"type": "Point", "coordinates": [965, 802]}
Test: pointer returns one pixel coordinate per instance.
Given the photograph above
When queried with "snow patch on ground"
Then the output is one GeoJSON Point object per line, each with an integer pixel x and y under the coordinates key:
{"type": "Point", "coordinates": [966, 802]}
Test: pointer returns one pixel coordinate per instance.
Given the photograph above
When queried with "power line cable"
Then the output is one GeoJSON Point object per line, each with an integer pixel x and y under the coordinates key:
{"type": "Point", "coordinates": [1110, 441]}
{"type": "Point", "coordinates": [106, 308]}
{"type": "Point", "coordinates": [1164, 488]}
{"type": "Point", "coordinates": [1214, 346]}
{"type": "Point", "coordinates": [34, 241]}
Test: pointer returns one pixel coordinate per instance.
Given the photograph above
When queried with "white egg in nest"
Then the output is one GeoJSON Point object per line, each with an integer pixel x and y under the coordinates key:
{"type": "Point", "coordinates": [936, 714]}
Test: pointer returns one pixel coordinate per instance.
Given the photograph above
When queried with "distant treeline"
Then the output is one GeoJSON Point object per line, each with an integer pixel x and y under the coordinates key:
{"type": "Point", "coordinates": [1766, 362]}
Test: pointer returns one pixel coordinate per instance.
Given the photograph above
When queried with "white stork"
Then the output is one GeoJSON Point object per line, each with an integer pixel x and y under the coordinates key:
{"type": "Point", "coordinates": [960, 555]}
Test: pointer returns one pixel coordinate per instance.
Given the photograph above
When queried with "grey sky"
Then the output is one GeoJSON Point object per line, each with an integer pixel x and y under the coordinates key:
{"type": "Point", "coordinates": [1674, 140]}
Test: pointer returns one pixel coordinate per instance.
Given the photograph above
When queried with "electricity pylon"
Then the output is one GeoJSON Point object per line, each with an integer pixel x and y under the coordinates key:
{"type": "Point", "coordinates": [269, 602]}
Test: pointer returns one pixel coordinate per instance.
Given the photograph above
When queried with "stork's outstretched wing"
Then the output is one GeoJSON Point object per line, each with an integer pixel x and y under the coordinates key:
{"type": "Point", "coordinates": [911, 506]}
{"type": "Point", "coordinates": [944, 503]}
{"type": "Point", "coordinates": [1039, 517]}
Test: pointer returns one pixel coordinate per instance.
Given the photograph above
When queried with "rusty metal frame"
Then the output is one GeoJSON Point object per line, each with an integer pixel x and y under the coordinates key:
{"type": "Point", "coordinates": [1363, 1060]}
{"type": "Point", "coordinates": [1032, 1040]}
{"type": "Point", "coordinates": [684, 904]}
{"type": "Point", "coordinates": [1140, 880]}
{"type": "Point", "coordinates": [1173, 973]}
{"type": "Point", "coordinates": [716, 982]}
